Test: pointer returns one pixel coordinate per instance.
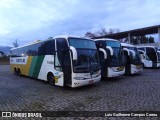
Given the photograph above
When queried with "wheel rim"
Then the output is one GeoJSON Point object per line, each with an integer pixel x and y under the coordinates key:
{"type": "Point", "coordinates": [19, 72]}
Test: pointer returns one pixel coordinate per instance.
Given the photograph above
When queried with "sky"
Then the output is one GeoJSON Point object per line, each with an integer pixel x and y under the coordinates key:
{"type": "Point", "coordinates": [30, 20]}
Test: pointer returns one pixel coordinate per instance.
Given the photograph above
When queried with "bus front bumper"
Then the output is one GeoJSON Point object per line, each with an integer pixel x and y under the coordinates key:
{"type": "Point", "coordinates": [78, 83]}
{"type": "Point", "coordinates": [158, 64]}
{"type": "Point", "coordinates": [136, 68]}
{"type": "Point", "coordinates": [113, 73]}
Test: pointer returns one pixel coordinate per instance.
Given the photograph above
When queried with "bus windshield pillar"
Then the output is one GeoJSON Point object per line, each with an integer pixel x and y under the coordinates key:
{"type": "Point", "coordinates": [74, 51]}
{"type": "Point", "coordinates": [129, 38]}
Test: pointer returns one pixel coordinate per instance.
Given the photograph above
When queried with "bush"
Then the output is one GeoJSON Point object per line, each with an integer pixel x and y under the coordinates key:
{"type": "Point", "coordinates": [4, 60]}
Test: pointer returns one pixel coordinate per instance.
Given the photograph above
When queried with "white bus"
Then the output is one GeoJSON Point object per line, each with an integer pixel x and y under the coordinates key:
{"type": "Point", "coordinates": [63, 60]}
{"type": "Point", "coordinates": [132, 59]}
{"type": "Point", "coordinates": [150, 56]}
{"type": "Point", "coordinates": [111, 57]}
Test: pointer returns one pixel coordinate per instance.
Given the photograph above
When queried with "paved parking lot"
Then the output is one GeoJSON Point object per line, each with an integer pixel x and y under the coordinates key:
{"type": "Point", "coordinates": [139, 92]}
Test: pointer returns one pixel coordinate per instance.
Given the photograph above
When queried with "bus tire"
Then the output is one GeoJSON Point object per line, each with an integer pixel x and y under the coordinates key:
{"type": "Point", "coordinates": [50, 79]}
{"type": "Point", "coordinates": [19, 72]}
{"type": "Point", "coordinates": [15, 71]}
{"type": "Point", "coordinates": [143, 65]}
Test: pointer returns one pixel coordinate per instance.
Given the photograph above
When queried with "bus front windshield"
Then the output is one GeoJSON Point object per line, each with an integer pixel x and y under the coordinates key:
{"type": "Point", "coordinates": [117, 58]}
{"type": "Point", "coordinates": [135, 58]}
{"type": "Point", "coordinates": [87, 55]}
{"type": "Point", "coordinates": [158, 53]}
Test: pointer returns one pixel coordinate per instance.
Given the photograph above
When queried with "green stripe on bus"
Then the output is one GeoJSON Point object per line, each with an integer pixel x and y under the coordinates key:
{"type": "Point", "coordinates": [32, 66]}
{"type": "Point", "coordinates": [38, 66]}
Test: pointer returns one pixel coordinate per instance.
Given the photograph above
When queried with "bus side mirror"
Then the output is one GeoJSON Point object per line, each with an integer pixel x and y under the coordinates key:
{"type": "Point", "coordinates": [125, 49]}
{"type": "Point", "coordinates": [158, 52]}
{"type": "Point", "coordinates": [134, 54]}
{"type": "Point", "coordinates": [104, 52]}
{"type": "Point", "coordinates": [74, 52]}
{"type": "Point", "coordinates": [110, 49]}
{"type": "Point", "coordinates": [141, 52]}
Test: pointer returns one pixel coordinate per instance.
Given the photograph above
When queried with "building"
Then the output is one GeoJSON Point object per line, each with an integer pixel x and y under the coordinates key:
{"type": "Point", "coordinates": [1, 54]}
{"type": "Point", "coordinates": [136, 32]}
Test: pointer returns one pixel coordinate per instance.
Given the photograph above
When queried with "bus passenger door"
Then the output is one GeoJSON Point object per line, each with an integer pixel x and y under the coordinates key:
{"type": "Point", "coordinates": [67, 68]}
{"type": "Point", "coordinates": [58, 76]}
{"type": "Point", "coordinates": [63, 67]}
{"type": "Point", "coordinates": [102, 59]}
{"type": "Point", "coordinates": [63, 57]}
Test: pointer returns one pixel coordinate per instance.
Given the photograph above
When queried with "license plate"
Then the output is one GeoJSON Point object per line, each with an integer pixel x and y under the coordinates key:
{"type": "Point", "coordinates": [120, 68]}
{"type": "Point", "coordinates": [91, 81]}
{"type": "Point", "coordinates": [139, 66]}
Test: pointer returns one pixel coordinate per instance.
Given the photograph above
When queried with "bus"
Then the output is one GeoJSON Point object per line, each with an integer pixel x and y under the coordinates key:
{"type": "Point", "coordinates": [111, 57]}
{"type": "Point", "coordinates": [150, 56]}
{"type": "Point", "coordinates": [63, 61]}
{"type": "Point", "coordinates": [132, 59]}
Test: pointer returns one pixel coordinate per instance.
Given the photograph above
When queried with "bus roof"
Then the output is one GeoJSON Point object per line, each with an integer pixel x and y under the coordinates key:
{"type": "Point", "coordinates": [105, 39]}
{"type": "Point", "coordinates": [127, 45]}
{"type": "Point", "coordinates": [70, 36]}
{"type": "Point", "coordinates": [145, 46]}
{"type": "Point", "coordinates": [66, 36]}
{"type": "Point", "coordinates": [60, 36]}
{"type": "Point", "coordinates": [32, 43]}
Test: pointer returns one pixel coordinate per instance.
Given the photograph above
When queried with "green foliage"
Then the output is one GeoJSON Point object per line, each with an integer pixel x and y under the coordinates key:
{"type": "Point", "coordinates": [101, 32]}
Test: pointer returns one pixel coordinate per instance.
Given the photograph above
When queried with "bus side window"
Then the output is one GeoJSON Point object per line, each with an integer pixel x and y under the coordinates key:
{"type": "Point", "coordinates": [31, 51]}
{"type": "Point", "coordinates": [49, 47]}
{"type": "Point", "coordinates": [41, 49]}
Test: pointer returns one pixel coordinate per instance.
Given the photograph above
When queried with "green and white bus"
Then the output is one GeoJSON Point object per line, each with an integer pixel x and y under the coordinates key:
{"type": "Point", "coordinates": [64, 61]}
{"type": "Point", "coordinates": [111, 57]}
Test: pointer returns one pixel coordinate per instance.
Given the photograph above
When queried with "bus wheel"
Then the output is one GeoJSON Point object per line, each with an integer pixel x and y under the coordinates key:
{"type": "Point", "coordinates": [15, 71]}
{"type": "Point", "coordinates": [50, 78]}
{"type": "Point", "coordinates": [18, 72]}
{"type": "Point", "coordinates": [143, 65]}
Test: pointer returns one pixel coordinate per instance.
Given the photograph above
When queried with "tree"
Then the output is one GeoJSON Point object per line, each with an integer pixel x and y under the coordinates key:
{"type": "Point", "coordinates": [113, 30]}
{"type": "Point", "coordinates": [101, 32]}
{"type": "Point", "coordinates": [90, 35]}
{"type": "Point", "coordinates": [2, 54]}
{"type": "Point", "coordinates": [15, 43]}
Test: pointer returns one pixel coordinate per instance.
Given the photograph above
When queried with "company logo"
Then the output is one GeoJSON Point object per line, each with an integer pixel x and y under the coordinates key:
{"type": "Point", "coordinates": [19, 60]}
{"type": "Point", "coordinates": [76, 84]}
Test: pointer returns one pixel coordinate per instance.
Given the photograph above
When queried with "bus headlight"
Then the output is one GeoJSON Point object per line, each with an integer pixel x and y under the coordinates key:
{"type": "Point", "coordinates": [116, 69]}
{"type": "Point", "coordinates": [138, 66]}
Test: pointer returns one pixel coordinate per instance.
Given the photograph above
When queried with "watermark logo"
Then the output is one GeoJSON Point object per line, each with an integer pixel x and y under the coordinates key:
{"type": "Point", "coordinates": [6, 114]}
{"type": "Point", "coordinates": [21, 114]}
